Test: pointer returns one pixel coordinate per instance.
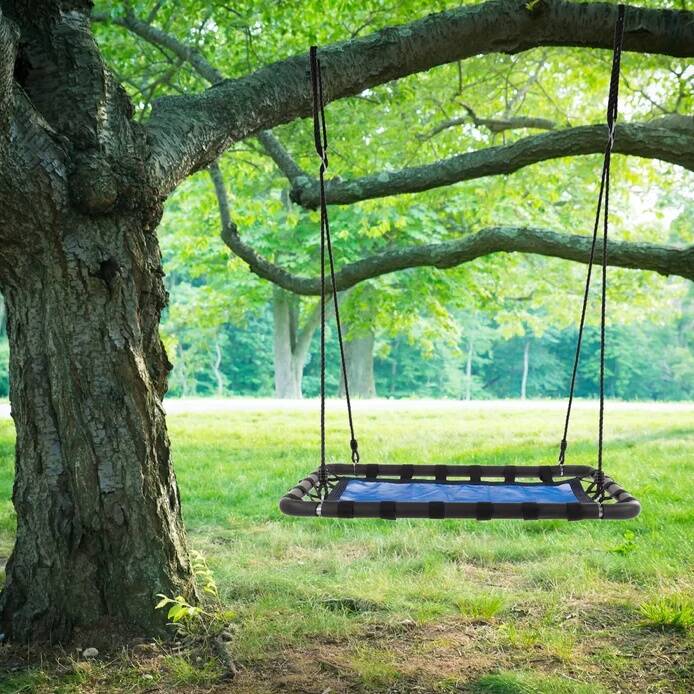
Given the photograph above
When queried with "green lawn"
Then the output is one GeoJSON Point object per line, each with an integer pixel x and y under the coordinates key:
{"type": "Point", "coordinates": [424, 606]}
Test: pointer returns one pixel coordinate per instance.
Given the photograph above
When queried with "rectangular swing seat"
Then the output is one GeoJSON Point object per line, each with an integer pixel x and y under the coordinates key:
{"type": "Point", "coordinates": [460, 491]}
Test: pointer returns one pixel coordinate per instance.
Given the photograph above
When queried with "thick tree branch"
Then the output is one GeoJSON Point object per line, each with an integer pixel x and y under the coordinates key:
{"type": "Point", "coordinates": [208, 72]}
{"type": "Point", "coordinates": [666, 260]}
{"type": "Point", "coordinates": [188, 132]}
{"type": "Point", "coordinates": [672, 144]}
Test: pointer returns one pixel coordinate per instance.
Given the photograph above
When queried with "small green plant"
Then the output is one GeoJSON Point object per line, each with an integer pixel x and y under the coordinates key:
{"type": "Point", "coordinates": [207, 620]}
{"type": "Point", "coordinates": [203, 573]}
{"type": "Point", "coordinates": [628, 544]}
{"type": "Point", "coordinates": [181, 612]}
{"type": "Point", "coordinates": [668, 613]}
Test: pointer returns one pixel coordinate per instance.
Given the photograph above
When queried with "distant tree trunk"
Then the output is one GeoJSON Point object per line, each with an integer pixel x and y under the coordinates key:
{"type": "Point", "coordinates": [526, 364]}
{"type": "Point", "coordinates": [219, 376]}
{"type": "Point", "coordinates": [468, 372]}
{"type": "Point", "coordinates": [359, 358]}
{"type": "Point", "coordinates": [291, 343]}
{"type": "Point", "coordinates": [182, 367]}
{"type": "Point", "coordinates": [287, 376]}
{"type": "Point", "coordinates": [393, 368]}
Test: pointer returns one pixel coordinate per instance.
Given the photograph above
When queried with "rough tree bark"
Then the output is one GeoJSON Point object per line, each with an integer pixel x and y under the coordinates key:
{"type": "Point", "coordinates": [99, 528]}
{"type": "Point", "coordinates": [359, 359]}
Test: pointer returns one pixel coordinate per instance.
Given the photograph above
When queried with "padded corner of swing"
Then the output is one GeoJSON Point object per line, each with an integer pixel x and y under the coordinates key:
{"type": "Point", "coordinates": [460, 491]}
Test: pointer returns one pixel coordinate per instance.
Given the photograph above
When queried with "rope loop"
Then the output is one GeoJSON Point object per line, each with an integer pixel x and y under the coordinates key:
{"type": "Point", "coordinates": [355, 451]}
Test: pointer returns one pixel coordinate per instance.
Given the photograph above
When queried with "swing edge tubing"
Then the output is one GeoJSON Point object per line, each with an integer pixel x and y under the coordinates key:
{"type": "Point", "coordinates": [625, 506]}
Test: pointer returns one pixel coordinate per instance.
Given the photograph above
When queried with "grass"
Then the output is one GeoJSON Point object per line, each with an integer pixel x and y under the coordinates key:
{"type": "Point", "coordinates": [671, 612]}
{"type": "Point", "coordinates": [430, 606]}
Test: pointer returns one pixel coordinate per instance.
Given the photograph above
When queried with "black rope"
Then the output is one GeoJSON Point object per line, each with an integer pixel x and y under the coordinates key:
{"type": "Point", "coordinates": [612, 109]}
{"type": "Point", "coordinates": [321, 143]}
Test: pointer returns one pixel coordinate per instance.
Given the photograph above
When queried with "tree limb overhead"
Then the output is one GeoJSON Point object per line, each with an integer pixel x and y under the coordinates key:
{"type": "Point", "coordinates": [189, 132]}
{"type": "Point", "coordinates": [672, 144]}
{"type": "Point", "coordinates": [665, 260]}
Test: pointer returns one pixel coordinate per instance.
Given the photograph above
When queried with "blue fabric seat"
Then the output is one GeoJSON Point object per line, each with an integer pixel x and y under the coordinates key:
{"type": "Point", "coordinates": [426, 491]}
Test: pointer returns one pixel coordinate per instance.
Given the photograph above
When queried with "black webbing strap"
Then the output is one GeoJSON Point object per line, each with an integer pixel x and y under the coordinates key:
{"type": "Point", "coordinates": [386, 510]}
{"type": "Point", "coordinates": [321, 143]}
{"type": "Point", "coordinates": [437, 509]}
{"type": "Point", "coordinates": [345, 509]}
{"type": "Point", "coordinates": [546, 475]}
{"type": "Point", "coordinates": [440, 472]}
{"type": "Point", "coordinates": [371, 471]}
{"type": "Point", "coordinates": [530, 510]}
{"type": "Point", "coordinates": [406, 472]}
{"type": "Point", "coordinates": [475, 473]}
{"type": "Point", "coordinates": [612, 107]}
{"type": "Point", "coordinates": [484, 510]}
{"type": "Point", "coordinates": [509, 474]}
{"type": "Point", "coordinates": [574, 512]}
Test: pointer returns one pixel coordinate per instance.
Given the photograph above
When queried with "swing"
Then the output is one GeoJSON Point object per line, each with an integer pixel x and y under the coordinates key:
{"type": "Point", "coordinates": [356, 490]}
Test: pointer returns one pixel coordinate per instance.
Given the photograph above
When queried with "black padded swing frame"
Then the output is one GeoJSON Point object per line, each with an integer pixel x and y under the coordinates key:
{"type": "Point", "coordinates": [597, 496]}
{"type": "Point", "coordinates": [307, 498]}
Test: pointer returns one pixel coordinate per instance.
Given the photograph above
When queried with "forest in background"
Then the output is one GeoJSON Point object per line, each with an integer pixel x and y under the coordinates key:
{"type": "Point", "coordinates": [474, 358]}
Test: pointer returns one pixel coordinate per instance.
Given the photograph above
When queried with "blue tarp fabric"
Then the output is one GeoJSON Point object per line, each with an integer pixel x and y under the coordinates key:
{"type": "Point", "coordinates": [374, 490]}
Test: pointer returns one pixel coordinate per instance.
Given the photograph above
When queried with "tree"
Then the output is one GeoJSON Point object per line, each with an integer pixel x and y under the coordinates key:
{"type": "Point", "coordinates": [82, 184]}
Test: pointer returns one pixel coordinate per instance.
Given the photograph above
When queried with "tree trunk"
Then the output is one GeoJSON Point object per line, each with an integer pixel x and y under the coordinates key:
{"type": "Point", "coordinates": [526, 364]}
{"type": "Point", "coordinates": [99, 528]}
{"type": "Point", "coordinates": [468, 372]}
{"type": "Point", "coordinates": [216, 366]}
{"type": "Point", "coordinates": [359, 358]}
{"type": "Point", "coordinates": [288, 373]}
{"type": "Point", "coordinates": [291, 342]}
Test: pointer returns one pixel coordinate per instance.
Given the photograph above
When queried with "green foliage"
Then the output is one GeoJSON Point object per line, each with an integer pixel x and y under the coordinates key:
{"type": "Point", "coordinates": [628, 545]}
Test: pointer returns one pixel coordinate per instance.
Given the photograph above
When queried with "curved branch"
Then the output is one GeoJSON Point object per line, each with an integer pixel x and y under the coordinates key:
{"type": "Point", "coordinates": [672, 144]}
{"type": "Point", "coordinates": [494, 125]}
{"type": "Point", "coordinates": [152, 34]}
{"type": "Point", "coordinates": [188, 132]}
{"type": "Point", "coordinates": [666, 260]}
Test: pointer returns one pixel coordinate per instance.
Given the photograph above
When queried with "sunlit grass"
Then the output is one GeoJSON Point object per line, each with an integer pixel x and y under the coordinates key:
{"type": "Point", "coordinates": [533, 597]}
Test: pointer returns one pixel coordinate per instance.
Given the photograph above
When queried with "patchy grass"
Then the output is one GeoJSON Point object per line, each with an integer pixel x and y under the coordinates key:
{"type": "Point", "coordinates": [671, 612]}
{"type": "Point", "coordinates": [419, 606]}
{"type": "Point", "coordinates": [530, 683]}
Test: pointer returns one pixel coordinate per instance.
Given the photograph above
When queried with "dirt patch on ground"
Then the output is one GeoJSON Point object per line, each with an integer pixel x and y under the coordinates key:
{"type": "Point", "coordinates": [448, 656]}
